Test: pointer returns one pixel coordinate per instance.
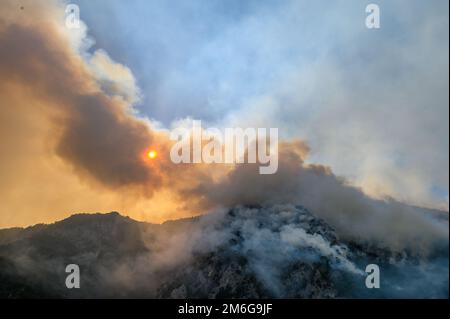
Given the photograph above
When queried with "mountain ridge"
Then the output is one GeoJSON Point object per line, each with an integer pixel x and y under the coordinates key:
{"type": "Point", "coordinates": [244, 252]}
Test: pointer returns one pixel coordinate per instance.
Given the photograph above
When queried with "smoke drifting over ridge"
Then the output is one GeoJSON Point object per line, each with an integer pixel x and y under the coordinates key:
{"type": "Point", "coordinates": [71, 141]}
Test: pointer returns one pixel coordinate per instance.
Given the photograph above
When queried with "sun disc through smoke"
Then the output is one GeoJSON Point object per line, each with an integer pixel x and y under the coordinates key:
{"type": "Point", "coordinates": [152, 154]}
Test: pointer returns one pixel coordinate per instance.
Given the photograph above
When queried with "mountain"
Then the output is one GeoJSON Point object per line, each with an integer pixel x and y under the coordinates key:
{"type": "Point", "coordinates": [280, 251]}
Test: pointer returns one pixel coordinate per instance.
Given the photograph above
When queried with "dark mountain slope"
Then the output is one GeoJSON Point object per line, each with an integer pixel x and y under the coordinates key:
{"type": "Point", "coordinates": [246, 252]}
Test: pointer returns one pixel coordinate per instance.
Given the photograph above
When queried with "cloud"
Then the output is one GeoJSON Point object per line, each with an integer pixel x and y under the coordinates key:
{"type": "Point", "coordinates": [71, 141]}
{"type": "Point", "coordinates": [55, 107]}
{"type": "Point", "coordinates": [114, 77]}
{"type": "Point", "coordinates": [372, 104]}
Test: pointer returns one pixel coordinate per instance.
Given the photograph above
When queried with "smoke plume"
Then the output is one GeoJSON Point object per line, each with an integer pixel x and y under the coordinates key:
{"type": "Point", "coordinates": [72, 141]}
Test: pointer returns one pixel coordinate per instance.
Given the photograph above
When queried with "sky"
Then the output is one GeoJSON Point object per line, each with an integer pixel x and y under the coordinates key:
{"type": "Point", "coordinates": [371, 103]}
{"type": "Point", "coordinates": [362, 113]}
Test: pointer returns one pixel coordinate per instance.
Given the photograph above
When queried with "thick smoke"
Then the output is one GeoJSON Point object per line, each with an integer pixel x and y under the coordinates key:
{"type": "Point", "coordinates": [246, 252]}
{"type": "Point", "coordinates": [348, 209]}
{"type": "Point", "coordinates": [96, 135]}
{"type": "Point", "coordinates": [55, 105]}
{"type": "Point", "coordinates": [71, 141]}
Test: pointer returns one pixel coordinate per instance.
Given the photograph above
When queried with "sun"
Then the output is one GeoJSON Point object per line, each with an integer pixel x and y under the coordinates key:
{"type": "Point", "coordinates": [152, 154]}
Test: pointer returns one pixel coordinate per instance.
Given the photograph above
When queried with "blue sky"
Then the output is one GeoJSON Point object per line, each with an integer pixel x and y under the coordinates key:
{"type": "Point", "coordinates": [372, 104]}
